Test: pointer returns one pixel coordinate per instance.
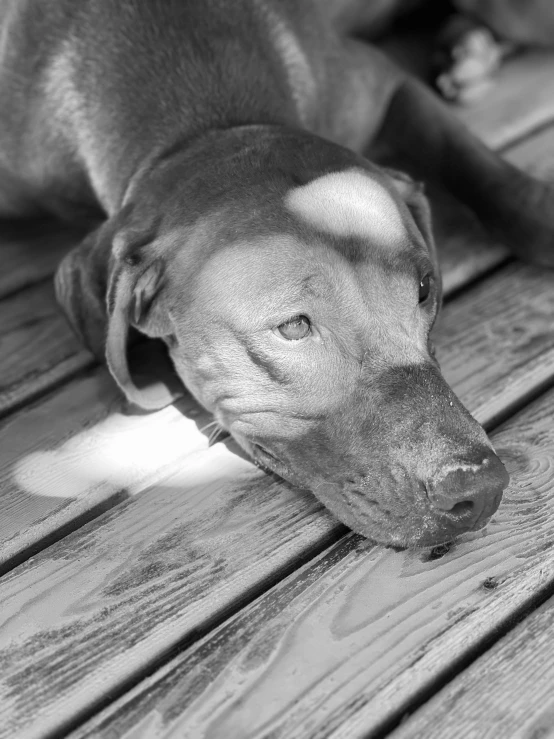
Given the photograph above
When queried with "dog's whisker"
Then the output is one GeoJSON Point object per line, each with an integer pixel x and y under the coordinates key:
{"type": "Point", "coordinates": [208, 425]}
{"type": "Point", "coordinates": [218, 434]}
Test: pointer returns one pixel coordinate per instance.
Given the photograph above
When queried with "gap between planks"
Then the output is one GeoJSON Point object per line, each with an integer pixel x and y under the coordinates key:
{"type": "Point", "coordinates": [190, 547]}
{"type": "Point", "coordinates": [344, 646]}
{"type": "Point", "coordinates": [506, 692]}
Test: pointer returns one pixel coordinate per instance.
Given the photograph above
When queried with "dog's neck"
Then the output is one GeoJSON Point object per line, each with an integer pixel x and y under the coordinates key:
{"type": "Point", "coordinates": [147, 112]}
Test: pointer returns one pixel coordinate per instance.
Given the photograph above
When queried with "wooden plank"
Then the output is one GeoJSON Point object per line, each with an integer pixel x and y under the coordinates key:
{"type": "Point", "coordinates": [38, 348]}
{"type": "Point", "coordinates": [495, 342]}
{"type": "Point", "coordinates": [79, 450]}
{"type": "Point", "coordinates": [505, 693]}
{"type": "Point", "coordinates": [211, 533]}
{"type": "Point", "coordinates": [348, 642]}
{"type": "Point", "coordinates": [30, 252]}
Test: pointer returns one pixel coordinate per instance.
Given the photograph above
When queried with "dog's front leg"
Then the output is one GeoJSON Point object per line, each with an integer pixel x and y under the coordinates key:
{"type": "Point", "coordinates": [517, 208]}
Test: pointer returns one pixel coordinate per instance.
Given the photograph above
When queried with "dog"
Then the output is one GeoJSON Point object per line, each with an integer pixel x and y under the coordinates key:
{"type": "Point", "coordinates": [221, 154]}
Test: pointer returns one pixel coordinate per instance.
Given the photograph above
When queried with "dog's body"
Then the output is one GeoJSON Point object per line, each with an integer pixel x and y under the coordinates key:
{"type": "Point", "coordinates": [294, 283]}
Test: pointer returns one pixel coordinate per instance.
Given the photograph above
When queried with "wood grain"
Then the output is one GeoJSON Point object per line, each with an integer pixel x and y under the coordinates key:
{"type": "Point", "coordinates": [353, 638]}
{"type": "Point", "coordinates": [495, 343]}
{"type": "Point", "coordinates": [80, 448]}
{"type": "Point", "coordinates": [38, 350]}
{"type": "Point", "coordinates": [505, 693]}
{"type": "Point", "coordinates": [188, 545]}
{"type": "Point", "coordinates": [201, 531]}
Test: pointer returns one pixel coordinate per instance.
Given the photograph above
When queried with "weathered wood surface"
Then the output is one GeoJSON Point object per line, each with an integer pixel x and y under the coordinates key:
{"type": "Point", "coordinates": [30, 252]}
{"type": "Point", "coordinates": [208, 534]}
{"type": "Point", "coordinates": [508, 692]}
{"type": "Point", "coordinates": [495, 342]}
{"type": "Point", "coordinates": [79, 449]}
{"type": "Point", "coordinates": [38, 350]}
{"type": "Point", "coordinates": [354, 637]}
{"type": "Point", "coordinates": [201, 531]}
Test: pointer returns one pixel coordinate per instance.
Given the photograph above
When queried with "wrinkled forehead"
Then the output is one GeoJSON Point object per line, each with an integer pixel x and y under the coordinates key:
{"type": "Point", "coordinates": [351, 204]}
{"type": "Point", "coordinates": [244, 282]}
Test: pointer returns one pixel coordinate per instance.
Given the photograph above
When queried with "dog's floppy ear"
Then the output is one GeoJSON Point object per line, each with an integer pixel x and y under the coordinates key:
{"type": "Point", "coordinates": [110, 302]}
{"type": "Point", "coordinates": [134, 304]}
{"type": "Point", "coordinates": [413, 194]}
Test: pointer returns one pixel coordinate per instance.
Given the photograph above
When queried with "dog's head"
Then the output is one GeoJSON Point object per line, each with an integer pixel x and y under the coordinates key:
{"type": "Point", "coordinates": [295, 293]}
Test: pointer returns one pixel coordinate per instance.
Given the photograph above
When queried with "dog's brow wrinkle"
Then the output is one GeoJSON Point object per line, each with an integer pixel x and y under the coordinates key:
{"type": "Point", "coordinates": [262, 361]}
{"type": "Point", "coordinates": [349, 204]}
{"type": "Point", "coordinates": [310, 286]}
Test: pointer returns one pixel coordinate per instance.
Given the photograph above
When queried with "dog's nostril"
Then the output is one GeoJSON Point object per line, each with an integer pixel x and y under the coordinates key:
{"type": "Point", "coordinates": [468, 491]}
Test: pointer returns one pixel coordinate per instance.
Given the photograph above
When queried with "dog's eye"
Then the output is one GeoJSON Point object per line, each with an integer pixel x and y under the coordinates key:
{"type": "Point", "coordinates": [296, 328]}
{"type": "Point", "coordinates": [424, 288]}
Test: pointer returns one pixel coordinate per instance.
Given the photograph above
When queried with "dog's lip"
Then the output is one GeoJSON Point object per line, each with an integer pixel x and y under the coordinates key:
{"type": "Point", "coordinates": [265, 453]}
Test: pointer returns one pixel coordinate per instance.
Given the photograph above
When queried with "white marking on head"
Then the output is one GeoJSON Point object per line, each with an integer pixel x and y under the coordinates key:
{"type": "Point", "coordinates": [349, 203]}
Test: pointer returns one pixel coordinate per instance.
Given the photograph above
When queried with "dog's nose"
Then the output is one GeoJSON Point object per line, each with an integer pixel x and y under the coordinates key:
{"type": "Point", "coordinates": [468, 492]}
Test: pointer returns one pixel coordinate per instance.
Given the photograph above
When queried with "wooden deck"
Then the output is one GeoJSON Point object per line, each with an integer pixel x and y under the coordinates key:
{"type": "Point", "coordinates": [153, 586]}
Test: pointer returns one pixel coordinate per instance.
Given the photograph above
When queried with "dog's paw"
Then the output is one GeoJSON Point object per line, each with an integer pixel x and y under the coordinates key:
{"type": "Point", "coordinates": [465, 59]}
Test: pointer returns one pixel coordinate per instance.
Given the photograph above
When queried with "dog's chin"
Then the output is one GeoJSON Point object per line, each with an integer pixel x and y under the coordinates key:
{"type": "Point", "coordinates": [420, 538]}
{"type": "Point", "coordinates": [269, 463]}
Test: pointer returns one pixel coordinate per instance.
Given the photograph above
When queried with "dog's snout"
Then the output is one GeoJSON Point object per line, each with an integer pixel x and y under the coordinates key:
{"type": "Point", "coordinates": [468, 492]}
